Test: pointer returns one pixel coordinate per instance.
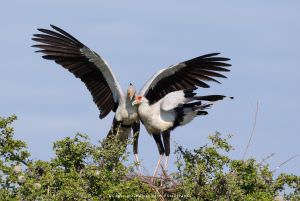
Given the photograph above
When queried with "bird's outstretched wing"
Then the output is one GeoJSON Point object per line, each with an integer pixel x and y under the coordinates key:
{"type": "Point", "coordinates": [64, 49]}
{"type": "Point", "coordinates": [185, 75]}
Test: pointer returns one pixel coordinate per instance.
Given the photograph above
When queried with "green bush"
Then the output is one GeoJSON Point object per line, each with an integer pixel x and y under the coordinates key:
{"type": "Point", "coordinates": [83, 171]}
{"type": "Point", "coordinates": [206, 174]}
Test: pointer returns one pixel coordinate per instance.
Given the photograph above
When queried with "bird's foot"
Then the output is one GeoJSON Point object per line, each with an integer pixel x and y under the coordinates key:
{"type": "Point", "coordinates": [165, 167]}
{"type": "Point", "coordinates": [156, 168]}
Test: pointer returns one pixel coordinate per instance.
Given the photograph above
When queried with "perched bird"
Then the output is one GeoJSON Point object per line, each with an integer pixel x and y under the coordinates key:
{"type": "Point", "coordinates": [161, 109]}
{"type": "Point", "coordinates": [175, 109]}
{"type": "Point", "coordinates": [96, 74]}
{"type": "Point", "coordinates": [92, 69]}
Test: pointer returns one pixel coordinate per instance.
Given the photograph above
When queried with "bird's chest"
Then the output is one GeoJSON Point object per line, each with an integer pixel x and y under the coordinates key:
{"type": "Point", "coordinates": [127, 114]}
{"type": "Point", "coordinates": [153, 121]}
{"type": "Point", "coordinates": [152, 129]}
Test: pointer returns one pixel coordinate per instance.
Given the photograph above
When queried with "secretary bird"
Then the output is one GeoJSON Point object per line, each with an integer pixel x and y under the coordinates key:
{"type": "Point", "coordinates": [161, 112]}
{"type": "Point", "coordinates": [96, 74]}
{"type": "Point", "coordinates": [175, 109]}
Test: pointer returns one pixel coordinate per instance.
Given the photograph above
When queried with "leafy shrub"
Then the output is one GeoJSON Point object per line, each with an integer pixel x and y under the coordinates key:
{"type": "Point", "coordinates": [83, 171]}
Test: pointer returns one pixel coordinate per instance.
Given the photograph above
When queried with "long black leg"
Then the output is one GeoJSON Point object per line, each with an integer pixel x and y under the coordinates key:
{"type": "Point", "coordinates": [166, 139]}
{"type": "Point", "coordinates": [159, 143]}
{"type": "Point", "coordinates": [136, 133]}
{"type": "Point", "coordinates": [161, 151]}
{"type": "Point", "coordinates": [114, 128]}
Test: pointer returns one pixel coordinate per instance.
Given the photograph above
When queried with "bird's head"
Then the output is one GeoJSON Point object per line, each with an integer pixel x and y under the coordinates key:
{"type": "Point", "coordinates": [138, 100]}
{"type": "Point", "coordinates": [131, 92]}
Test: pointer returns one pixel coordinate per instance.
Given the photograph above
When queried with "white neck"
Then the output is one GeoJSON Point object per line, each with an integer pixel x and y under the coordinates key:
{"type": "Point", "coordinates": [126, 112]}
{"type": "Point", "coordinates": [144, 108]}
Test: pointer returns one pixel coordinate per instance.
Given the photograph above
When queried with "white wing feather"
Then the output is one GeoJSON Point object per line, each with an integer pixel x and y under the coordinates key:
{"type": "Point", "coordinates": [103, 66]}
{"type": "Point", "coordinates": [172, 100]}
{"type": "Point", "coordinates": [159, 75]}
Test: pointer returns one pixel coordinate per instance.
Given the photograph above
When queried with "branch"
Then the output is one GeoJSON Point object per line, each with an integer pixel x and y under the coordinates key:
{"type": "Point", "coordinates": [267, 158]}
{"type": "Point", "coordinates": [15, 156]}
{"type": "Point", "coordinates": [284, 162]}
{"type": "Point", "coordinates": [252, 132]}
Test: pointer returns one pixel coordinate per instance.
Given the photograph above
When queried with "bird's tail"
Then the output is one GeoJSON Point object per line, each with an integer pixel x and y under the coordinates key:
{"type": "Point", "coordinates": [190, 94]}
{"type": "Point", "coordinates": [198, 105]}
{"type": "Point", "coordinates": [206, 102]}
{"type": "Point", "coordinates": [212, 98]}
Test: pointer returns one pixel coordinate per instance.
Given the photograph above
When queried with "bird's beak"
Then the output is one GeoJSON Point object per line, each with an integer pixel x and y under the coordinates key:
{"type": "Point", "coordinates": [131, 97]}
{"type": "Point", "coordinates": [134, 103]}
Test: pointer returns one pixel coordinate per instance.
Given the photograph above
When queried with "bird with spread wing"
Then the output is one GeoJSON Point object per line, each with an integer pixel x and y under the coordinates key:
{"type": "Point", "coordinates": [169, 93]}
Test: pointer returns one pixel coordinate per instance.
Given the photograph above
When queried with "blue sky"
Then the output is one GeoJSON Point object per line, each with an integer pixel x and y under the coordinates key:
{"type": "Point", "coordinates": [137, 39]}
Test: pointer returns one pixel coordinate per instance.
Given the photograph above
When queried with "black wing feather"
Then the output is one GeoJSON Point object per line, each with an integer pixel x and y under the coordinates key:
{"type": "Point", "coordinates": [64, 49]}
{"type": "Point", "coordinates": [194, 74]}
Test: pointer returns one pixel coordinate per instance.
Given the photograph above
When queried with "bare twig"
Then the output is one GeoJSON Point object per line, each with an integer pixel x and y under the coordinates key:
{"type": "Point", "coordinates": [166, 184]}
{"type": "Point", "coordinates": [267, 158]}
{"type": "Point", "coordinates": [252, 132]}
{"type": "Point", "coordinates": [284, 162]}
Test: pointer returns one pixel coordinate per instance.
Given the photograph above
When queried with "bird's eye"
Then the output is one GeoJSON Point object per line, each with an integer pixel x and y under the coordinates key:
{"type": "Point", "coordinates": [139, 97]}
